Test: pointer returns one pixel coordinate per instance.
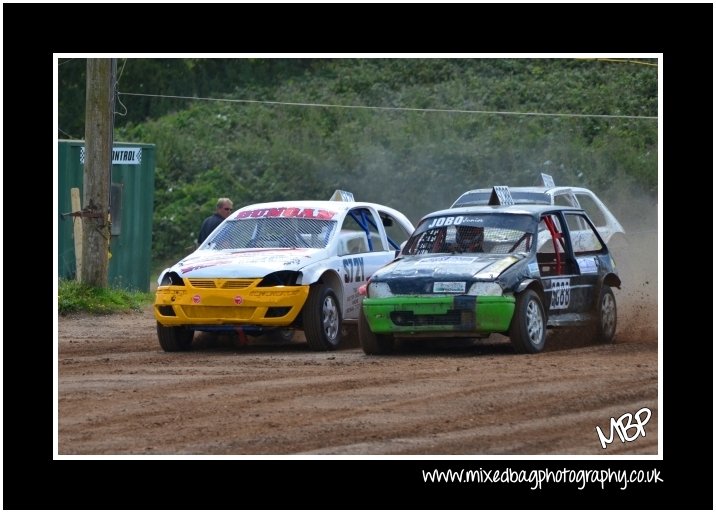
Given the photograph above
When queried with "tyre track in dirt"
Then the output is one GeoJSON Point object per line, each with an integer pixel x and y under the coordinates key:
{"type": "Point", "coordinates": [120, 394]}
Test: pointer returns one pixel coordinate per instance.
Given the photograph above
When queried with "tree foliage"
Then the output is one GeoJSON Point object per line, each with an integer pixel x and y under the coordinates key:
{"type": "Point", "coordinates": [483, 123]}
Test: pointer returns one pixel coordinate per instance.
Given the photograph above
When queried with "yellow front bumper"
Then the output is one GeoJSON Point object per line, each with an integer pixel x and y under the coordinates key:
{"type": "Point", "coordinates": [208, 302]}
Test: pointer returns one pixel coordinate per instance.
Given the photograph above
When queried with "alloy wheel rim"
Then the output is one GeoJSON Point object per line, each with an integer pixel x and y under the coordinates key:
{"type": "Point", "coordinates": [535, 323]}
{"type": "Point", "coordinates": [330, 318]}
{"type": "Point", "coordinates": [608, 314]}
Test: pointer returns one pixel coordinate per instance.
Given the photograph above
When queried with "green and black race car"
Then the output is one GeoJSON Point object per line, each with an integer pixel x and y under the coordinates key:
{"type": "Point", "coordinates": [511, 269]}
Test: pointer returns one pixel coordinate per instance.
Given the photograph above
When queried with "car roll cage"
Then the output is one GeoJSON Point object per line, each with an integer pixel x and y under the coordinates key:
{"type": "Point", "coordinates": [557, 237]}
{"type": "Point", "coordinates": [365, 220]}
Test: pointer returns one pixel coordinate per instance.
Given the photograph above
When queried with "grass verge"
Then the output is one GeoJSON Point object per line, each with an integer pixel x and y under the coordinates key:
{"type": "Point", "coordinates": [77, 297]}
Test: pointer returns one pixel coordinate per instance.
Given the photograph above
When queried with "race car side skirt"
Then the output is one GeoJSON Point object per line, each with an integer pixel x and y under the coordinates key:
{"type": "Point", "coordinates": [571, 320]}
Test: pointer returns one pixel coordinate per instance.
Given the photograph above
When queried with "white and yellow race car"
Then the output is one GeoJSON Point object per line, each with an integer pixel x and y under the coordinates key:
{"type": "Point", "coordinates": [277, 267]}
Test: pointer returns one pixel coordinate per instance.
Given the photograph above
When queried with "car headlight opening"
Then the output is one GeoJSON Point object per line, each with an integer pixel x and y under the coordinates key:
{"type": "Point", "coordinates": [485, 288]}
{"type": "Point", "coordinates": [379, 289]}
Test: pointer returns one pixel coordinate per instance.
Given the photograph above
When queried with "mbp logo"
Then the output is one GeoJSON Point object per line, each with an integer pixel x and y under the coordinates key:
{"type": "Point", "coordinates": [623, 425]}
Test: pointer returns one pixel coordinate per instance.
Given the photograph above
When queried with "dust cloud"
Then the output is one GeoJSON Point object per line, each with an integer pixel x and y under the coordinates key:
{"type": "Point", "coordinates": [638, 267]}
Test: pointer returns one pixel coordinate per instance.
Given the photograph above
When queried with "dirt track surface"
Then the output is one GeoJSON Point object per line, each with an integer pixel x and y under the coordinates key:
{"type": "Point", "coordinates": [120, 394]}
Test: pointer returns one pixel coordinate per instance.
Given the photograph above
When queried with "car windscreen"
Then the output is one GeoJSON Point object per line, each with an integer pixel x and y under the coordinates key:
{"type": "Point", "coordinates": [495, 233]}
{"type": "Point", "coordinates": [478, 198]}
{"type": "Point", "coordinates": [271, 232]}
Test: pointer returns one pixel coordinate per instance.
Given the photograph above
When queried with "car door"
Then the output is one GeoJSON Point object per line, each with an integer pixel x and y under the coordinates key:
{"type": "Point", "coordinates": [565, 287]}
{"type": "Point", "coordinates": [589, 249]}
{"type": "Point", "coordinates": [363, 249]}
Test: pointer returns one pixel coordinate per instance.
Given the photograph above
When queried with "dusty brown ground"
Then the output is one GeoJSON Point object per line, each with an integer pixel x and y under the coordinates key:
{"type": "Point", "coordinates": [120, 394]}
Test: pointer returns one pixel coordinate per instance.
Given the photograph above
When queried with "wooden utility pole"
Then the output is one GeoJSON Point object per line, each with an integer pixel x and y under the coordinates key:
{"type": "Point", "coordinates": [99, 127]}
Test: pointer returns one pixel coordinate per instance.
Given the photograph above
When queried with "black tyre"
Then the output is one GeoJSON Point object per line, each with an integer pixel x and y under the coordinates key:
{"type": "Point", "coordinates": [322, 318]}
{"type": "Point", "coordinates": [606, 325]}
{"type": "Point", "coordinates": [528, 327]}
{"type": "Point", "coordinates": [371, 342]}
{"type": "Point", "coordinates": [174, 338]}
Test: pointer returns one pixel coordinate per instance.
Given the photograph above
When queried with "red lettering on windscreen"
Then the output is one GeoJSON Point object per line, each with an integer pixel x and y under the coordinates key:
{"type": "Point", "coordinates": [306, 213]}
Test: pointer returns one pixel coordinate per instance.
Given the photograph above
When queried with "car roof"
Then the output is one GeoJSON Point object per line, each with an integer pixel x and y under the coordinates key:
{"type": "Point", "coordinates": [520, 195]}
{"type": "Point", "coordinates": [534, 188]}
{"type": "Point", "coordinates": [536, 194]}
{"type": "Point", "coordinates": [532, 210]}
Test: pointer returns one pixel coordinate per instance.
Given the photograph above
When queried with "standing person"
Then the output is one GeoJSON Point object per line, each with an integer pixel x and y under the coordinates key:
{"type": "Point", "coordinates": [223, 208]}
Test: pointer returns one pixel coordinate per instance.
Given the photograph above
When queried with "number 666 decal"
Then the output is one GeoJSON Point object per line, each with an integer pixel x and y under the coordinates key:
{"type": "Point", "coordinates": [560, 294]}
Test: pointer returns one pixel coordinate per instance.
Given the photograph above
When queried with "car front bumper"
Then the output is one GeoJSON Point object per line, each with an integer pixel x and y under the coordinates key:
{"type": "Point", "coordinates": [419, 314]}
{"type": "Point", "coordinates": [213, 303]}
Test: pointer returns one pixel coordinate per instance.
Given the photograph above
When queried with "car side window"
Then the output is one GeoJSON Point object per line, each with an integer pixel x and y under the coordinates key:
{"type": "Point", "coordinates": [360, 232]}
{"type": "Point", "coordinates": [563, 200]}
{"type": "Point", "coordinates": [550, 224]}
{"type": "Point", "coordinates": [551, 257]}
{"type": "Point", "coordinates": [396, 232]}
{"type": "Point", "coordinates": [592, 209]}
{"type": "Point", "coordinates": [584, 241]}
{"type": "Point", "coordinates": [575, 223]}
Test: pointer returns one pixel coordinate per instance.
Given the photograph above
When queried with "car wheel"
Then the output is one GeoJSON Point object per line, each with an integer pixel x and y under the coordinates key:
{"type": "Point", "coordinates": [174, 338]}
{"type": "Point", "coordinates": [371, 342]}
{"type": "Point", "coordinates": [322, 318]}
{"type": "Point", "coordinates": [528, 327]}
{"type": "Point", "coordinates": [606, 325]}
